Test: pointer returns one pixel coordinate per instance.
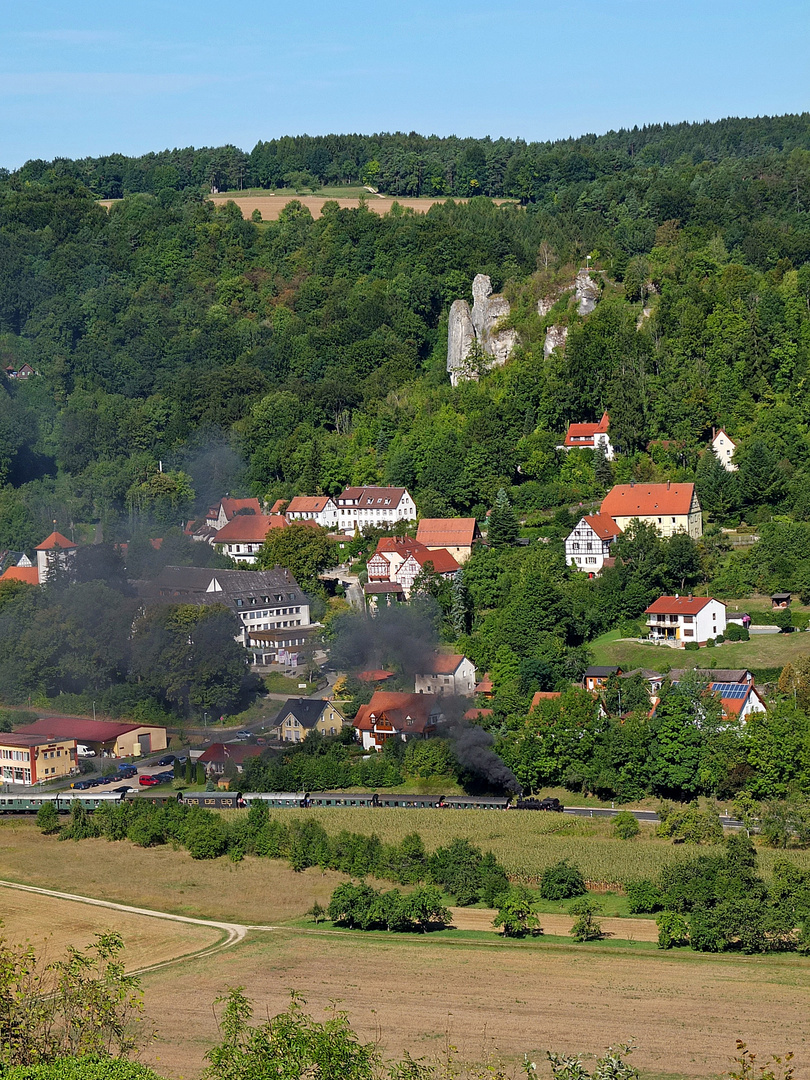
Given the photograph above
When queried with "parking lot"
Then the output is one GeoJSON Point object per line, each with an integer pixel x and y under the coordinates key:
{"type": "Point", "coordinates": [149, 768]}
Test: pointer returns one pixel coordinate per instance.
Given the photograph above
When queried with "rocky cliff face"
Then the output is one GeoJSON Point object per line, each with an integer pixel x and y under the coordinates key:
{"type": "Point", "coordinates": [478, 325]}
{"type": "Point", "coordinates": [586, 296]}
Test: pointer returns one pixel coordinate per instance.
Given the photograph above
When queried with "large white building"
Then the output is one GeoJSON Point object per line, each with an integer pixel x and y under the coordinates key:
{"type": "Point", "coordinates": [588, 546]}
{"type": "Point", "coordinates": [682, 619]}
{"type": "Point", "coordinates": [360, 506]}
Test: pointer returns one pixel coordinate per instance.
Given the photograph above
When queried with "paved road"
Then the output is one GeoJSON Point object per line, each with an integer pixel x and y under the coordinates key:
{"type": "Point", "coordinates": [639, 815]}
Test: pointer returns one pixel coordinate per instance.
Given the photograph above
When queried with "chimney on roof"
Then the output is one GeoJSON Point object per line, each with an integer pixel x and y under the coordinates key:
{"type": "Point", "coordinates": [668, 483]}
{"type": "Point", "coordinates": [632, 483]}
{"type": "Point", "coordinates": [690, 598]}
{"type": "Point", "coordinates": [714, 434]}
{"type": "Point", "coordinates": [677, 596]}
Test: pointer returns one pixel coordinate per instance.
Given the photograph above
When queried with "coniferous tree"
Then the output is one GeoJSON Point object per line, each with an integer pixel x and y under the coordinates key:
{"type": "Point", "coordinates": [503, 524]}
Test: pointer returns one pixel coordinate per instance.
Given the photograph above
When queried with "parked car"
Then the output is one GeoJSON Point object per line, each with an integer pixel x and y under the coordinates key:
{"type": "Point", "coordinates": [148, 781]}
{"type": "Point", "coordinates": [125, 771]}
{"type": "Point", "coordinates": [244, 734]}
{"type": "Point", "coordinates": [81, 785]}
{"type": "Point", "coordinates": [182, 759]}
{"type": "Point", "coordinates": [168, 759]}
{"type": "Point", "coordinates": [124, 789]}
{"type": "Point", "coordinates": [84, 751]}
{"type": "Point", "coordinates": [164, 777]}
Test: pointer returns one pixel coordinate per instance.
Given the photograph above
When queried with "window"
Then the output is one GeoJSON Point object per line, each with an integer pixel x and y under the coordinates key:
{"type": "Point", "coordinates": [688, 633]}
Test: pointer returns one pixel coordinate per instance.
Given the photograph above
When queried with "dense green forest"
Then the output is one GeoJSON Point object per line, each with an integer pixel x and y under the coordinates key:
{"type": "Point", "coordinates": [183, 352]}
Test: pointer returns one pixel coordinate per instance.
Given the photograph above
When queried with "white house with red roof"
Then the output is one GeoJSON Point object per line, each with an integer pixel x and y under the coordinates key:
{"type": "Point", "coordinates": [55, 551]}
{"type": "Point", "coordinates": [393, 715]}
{"type": "Point", "coordinates": [589, 437]}
{"type": "Point", "coordinates": [318, 508]}
{"type": "Point", "coordinates": [670, 507]}
{"type": "Point", "coordinates": [449, 674]}
{"type": "Point", "coordinates": [588, 546]}
{"type": "Point", "coordinates": [218, 516]}
{"type": "Point", "coordinates": [682, 619]}
{"type": "Point", "coordinates": [723, 447]}
{"type": "Point", "coordinates": [360, 506]}
{"type": "Point", "coordinates": [244, 535]}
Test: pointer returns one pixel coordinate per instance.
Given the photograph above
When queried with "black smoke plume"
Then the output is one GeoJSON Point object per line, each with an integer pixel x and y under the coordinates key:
{"type": "Point", "coordinates": [403, 639]}
{"type": "Point", "coordinates": [472, 747]}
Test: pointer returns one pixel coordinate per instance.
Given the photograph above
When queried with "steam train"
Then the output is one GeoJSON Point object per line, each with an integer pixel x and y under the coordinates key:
{"type": "Point", "coordinates": [64, 801]}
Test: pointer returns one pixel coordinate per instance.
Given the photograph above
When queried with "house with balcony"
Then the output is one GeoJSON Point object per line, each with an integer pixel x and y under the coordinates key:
{"type": "Point", "coordinates": [679, 620]}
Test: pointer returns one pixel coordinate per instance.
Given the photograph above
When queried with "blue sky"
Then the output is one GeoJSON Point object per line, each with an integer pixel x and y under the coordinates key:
{"type": "Point", "coordinates": [79, 78]}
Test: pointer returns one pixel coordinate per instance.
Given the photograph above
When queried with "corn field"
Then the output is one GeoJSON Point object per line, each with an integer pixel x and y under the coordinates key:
{"type": "Point", "coordinates": [526, 843]}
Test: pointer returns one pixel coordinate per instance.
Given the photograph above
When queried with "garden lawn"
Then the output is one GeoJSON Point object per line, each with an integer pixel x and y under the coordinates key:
{"type": "Point", "coordinates": [762, 651]}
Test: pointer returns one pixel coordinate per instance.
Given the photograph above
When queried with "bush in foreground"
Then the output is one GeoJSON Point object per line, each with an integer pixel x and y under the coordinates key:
{"type": "Point", "coordinates": [562, 881]}
{"type": "Point", "coordinates": [517, 914]}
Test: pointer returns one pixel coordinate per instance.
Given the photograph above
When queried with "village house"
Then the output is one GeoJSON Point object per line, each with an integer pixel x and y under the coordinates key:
{"type": "Point", "coordinates": [401, 559]}
{"type": "Point", "coordinates": [318, 508]}
{"type": "Point", "coordinates": [218, 756]}
{"type": "Point", "coordinates": [723, 447]}
{"type": "Point", "coordinates": [589, 437]}
{"type": "Point", "coordinates": [55, 552]}
{"type": "Point", "coordinates": [31, 758]}
{"type": "Point", "coordinates": [24, 372]}
{"type": "Point", "coordinates": [299, 716]}
{"type": "Point", "coordinates": [588, 546]}
{"type": "Point", "coordinates": [448, 674]}
{"type": "Point", "coordinates": [391, 715]}
{"type": "Point", "coordinates": [379, 506]}
{"type": "Point", "coordinates": [735, 688]}
{"type": "Point", "coordinates": [671, 508]}
{"type": "Point", "coordinates": [271, 606]}
{"type": "Point", "coordinates": [486, 687]}
{"type": "Point", "coordinates": [595, 678]}
{"type": "Point", "coordinates": [681, 619]}
{"type": "Point", "coordinates": [243, 536]}
{"type": "Point", "coordinates": [456, 535]}
{"type": "Point", "coordinates": [544, 695]}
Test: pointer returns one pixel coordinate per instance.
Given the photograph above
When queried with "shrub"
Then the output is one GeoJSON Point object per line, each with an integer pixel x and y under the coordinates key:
{"type": "Point", "coordinates": [48, 819]}
{"type": "Point", "coordinates": [692, 825]}
{"type": "Point", "coordinates": [673, 930]}
{"type": "Point", "coordinates": [586, 926]}
{"type": "Point", "coordinates": [625, 825]}
{"type": "Point", "coordinates": [691, 646]}
{"type": "Point", "coordinates": [561, 881]}
{"type": "Point", "coordinates": [517, 914]}
{"type": "Point", "coordinates": [710, 643]}
{"type": "Point", "coordinates": [205, 838]}
{"type": "Point", "coordinates": [734, 632]}
{"type": "Point", "coordinates": [719, 639]}
{"type": "Point", "coordinates": [643, 896]}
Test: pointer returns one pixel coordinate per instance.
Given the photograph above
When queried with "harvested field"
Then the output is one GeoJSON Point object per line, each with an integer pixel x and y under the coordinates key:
{"type": "Point", "coordinates": [254, 891]}
{"type": "Point", "coordinates": [270, 206]}
{"type": "Point", "coordinates": [51, 925]}
{"type": "Point", "coordinates": [684, 1010]}
{"type": "Point", "coordinates": [559, 925]}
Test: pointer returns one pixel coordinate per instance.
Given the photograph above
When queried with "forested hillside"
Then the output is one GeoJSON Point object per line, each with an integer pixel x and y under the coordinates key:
{"type": "Point", "coordinates": [183, 352]}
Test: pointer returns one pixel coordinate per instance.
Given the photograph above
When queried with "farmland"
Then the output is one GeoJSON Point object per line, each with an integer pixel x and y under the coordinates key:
{"type": "Point", "coordinates": [685, 1011]}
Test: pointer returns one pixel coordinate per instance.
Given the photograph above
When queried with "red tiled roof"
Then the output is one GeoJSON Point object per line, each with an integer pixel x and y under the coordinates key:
{"type": "Point", "coordinates": [486, 686]}
{"type": "Point", "coordinates": [28, 574]}
{"type": "Point", "coordinates": [377, 675]}
{"type": "Point", "coordinates": [55, 540]}
{"type": "Point", "coordinates": [679, 605]}
{"type": "Point", "coordinates": [648, 500]}
{"type": "Point", "coordinates": [583, 434]}
{"type": "Point", "coordinates": [277, 505]}
{"type": "Point", "coordinates": [398, 709]}
{"type": "Point", "coordinates": [474, 714]}
{"type": "Point", "coordinates": [604, 527]}
{"type": "Point", "coordinates": [219, 753]}
{"type": "Point", "coordinates": [307, 504]}
{"type": "Point", "coordinates": [382, 587]}
{"type": "Point", "coordinates": [443, 561]}
{"type": "Point", "coordinates": [64, 727]}
{"type": "Point", "coordinates": [19, 738]}
{"type": "Point", "coordinates": [446, 532]}
{"type": "Point", "coordinates": [231, 506]}
{"type": "Point", "coordinates": [250, 528]}
{"type": "Point", "coordinates": [544, 695]}
{"type": "Point", "coordinates": [403, 544]}
{"type": "Point", "coordinates": [444, 664]}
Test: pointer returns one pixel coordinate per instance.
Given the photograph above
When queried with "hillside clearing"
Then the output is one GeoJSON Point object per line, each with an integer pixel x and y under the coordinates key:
{"type": "Point", "coordinates": [762, 651]}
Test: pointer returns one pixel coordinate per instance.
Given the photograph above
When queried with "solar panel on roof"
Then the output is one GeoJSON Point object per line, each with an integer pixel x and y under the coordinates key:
{"type": "Point", "coordinates": [730, 690]}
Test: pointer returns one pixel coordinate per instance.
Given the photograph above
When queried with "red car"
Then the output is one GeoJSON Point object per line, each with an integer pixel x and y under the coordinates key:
{"type": "Point", "coordinates": [148, 781]}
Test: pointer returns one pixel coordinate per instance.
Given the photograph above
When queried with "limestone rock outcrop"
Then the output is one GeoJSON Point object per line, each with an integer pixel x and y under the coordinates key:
{"type": "Point", "coordinates": [479, 325]}
{"type": "Point", "coordinates": [586, 292]}
{"type": "Point", "coordinates": [555, 338]}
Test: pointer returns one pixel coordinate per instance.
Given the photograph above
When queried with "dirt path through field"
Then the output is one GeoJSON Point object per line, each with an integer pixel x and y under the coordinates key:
{"type": "Point", "coordinates": [626, 929]}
